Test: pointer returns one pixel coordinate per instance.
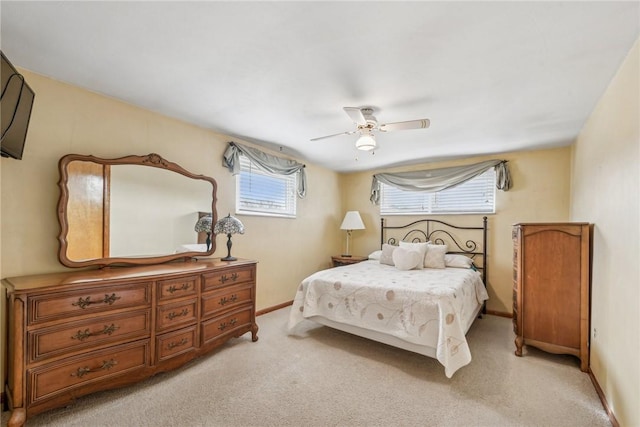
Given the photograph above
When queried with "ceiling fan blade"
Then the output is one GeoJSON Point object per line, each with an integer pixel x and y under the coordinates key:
{"type": "Point", "coordinates": [411, 124]}
{"type": "Point", "coordinates": [335, 134]}
{"type": "Point", "coordinates": [356, 115]}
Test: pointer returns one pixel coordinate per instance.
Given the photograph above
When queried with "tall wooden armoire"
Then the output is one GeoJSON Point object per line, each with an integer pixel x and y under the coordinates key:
{"type": "Point", "coordinates": [551, 288]}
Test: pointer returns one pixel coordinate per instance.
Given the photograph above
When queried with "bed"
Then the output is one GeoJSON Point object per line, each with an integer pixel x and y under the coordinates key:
{"type": "Point", "coordinates": [424, 310]}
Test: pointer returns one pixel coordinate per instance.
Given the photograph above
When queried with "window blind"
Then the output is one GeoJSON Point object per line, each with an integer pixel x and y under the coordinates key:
{"type": "Point", "coordinates": [474, 196]}
{"type": "Point", "coordinates": [262, 193]}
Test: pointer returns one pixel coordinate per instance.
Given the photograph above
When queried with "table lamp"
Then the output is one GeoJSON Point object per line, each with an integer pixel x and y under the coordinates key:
{"type": "Point", "coordinates": [204, 226]}
{"type": "Point", "coordinates": [228, 225]}
{"type": "Point", "coordinates": [351, 221]}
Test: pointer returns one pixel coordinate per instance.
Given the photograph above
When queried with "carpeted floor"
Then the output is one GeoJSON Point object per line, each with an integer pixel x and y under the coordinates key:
{"type": "Point", "coordinates": [330, 378]}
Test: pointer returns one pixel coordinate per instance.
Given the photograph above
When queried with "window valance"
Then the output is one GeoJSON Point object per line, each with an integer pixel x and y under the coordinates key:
{"type": "Point", "coordinates": [433, 180]}
{"type": "Point", "coordinates": [266, 162]}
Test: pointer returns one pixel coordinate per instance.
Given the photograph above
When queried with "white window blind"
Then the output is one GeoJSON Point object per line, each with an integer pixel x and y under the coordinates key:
{"type": "Point", "coordinates": [263, 193]}
{"type": "Point", "coordinates": [474, 196]}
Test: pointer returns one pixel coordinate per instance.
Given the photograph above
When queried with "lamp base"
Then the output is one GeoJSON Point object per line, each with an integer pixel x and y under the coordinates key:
{"type": "Point", "coordinates": [229, 257]}
{"type": "Point", "coordinates": [345, 256]}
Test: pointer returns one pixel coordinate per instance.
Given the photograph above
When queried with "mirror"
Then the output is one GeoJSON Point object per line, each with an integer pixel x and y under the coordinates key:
{"type": "Point", "coordinates": [131, 210]}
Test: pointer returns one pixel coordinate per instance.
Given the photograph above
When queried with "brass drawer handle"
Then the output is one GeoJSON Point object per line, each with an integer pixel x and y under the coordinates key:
{"type": "Point", "coordinates": [225, 325]}
{"type": "Point", "coordinates": [184, 287]}
{"type": "Point", "coordinates": [225, 279]}
{"type": "Point", "coordinates": [173, 314]}
{"type": "Point", "coordinates": [225, 300]}
{"type": "Point", "coordinates": [106, 365]}
{"type": "Point", "coordinates": [173, 344]}
{"type": "Point", "coordinates": [83, 335]}
{"type": "Point", "coordinates": [86, 302]}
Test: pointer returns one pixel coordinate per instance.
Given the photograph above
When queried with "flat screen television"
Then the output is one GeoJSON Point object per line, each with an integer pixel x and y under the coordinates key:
{"type": "Point", "coordinates": [16, 101]}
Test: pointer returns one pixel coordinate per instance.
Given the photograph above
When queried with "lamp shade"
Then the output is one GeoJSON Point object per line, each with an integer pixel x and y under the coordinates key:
{"type": "Point", "coordinates": [228, 225]}
{"type": "Point", "coordinates": [352, 221]}
{"type": "Point", "coordinates": [204, 224]}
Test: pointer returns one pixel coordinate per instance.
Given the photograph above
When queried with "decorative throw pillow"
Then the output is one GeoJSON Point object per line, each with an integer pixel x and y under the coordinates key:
{"type": "Point", "coordinates": [420, 247]}
{"type": "Point", "coordinates": [457, 261]}
{"type": "Point", "coordinates": [435, 256]}
{"type": "Point", "coordinates": [386, 257]}
{"type": "Point", "coordinates": [375, 255]}
{"type": "Point", "coordinates": [406, 259]}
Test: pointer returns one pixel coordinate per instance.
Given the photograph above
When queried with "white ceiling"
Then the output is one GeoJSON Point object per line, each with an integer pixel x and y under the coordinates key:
{"type": "Point", "coordinates": [491, 76]}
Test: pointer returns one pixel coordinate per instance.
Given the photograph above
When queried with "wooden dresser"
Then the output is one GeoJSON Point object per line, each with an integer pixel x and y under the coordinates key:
{"type": "Point", "coordinates": [70, 334]}
{"type": "Point", "coordinates": [551, 287]}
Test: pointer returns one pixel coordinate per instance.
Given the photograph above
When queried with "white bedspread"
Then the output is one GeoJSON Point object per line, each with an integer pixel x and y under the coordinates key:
{"type": "Point", "coordinates": [424, 307]}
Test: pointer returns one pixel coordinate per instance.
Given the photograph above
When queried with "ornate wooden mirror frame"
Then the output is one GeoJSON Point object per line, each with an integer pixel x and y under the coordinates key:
{"type": "Point", "coordinates": [101, 188]}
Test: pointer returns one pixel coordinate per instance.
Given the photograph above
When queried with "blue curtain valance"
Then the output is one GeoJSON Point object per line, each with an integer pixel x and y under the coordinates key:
{"type": "Point", "coordinates": [266, 162]}
{"type": "Point", "coordinates": [433, 180]}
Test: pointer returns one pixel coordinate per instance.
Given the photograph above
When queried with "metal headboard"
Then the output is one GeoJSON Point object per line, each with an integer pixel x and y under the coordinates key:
{"type": "Point", "coordinates": [440, 232]}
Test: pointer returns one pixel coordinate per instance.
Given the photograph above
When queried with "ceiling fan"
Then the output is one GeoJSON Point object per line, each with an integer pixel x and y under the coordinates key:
{"type": "Point", "coordinates": [367, 125]}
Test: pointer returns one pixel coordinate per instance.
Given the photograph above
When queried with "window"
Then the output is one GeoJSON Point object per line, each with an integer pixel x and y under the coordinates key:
{"type": "Point", "coordinates": [474, 196]}
{"type": "Point", "coordinates": [263, 193]}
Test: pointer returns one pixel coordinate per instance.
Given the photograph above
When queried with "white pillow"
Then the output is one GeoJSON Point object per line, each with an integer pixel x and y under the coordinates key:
{"type": "Point", "coordinates": [457, 261]}
{"type": "Point", "coordinates": [406, 259]}
{"type": "Point", "coordinates": [435, 256]}
{"type": "Point", "coordinates": [386, 257]}
{"type": "Point", "coordinates": [376, 255]}
{"type": "Point", "coordinates": [420, 247]}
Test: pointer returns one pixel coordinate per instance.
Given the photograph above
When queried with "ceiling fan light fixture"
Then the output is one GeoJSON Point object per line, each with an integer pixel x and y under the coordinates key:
{"type": "Point", "coordinates": [366, 142]}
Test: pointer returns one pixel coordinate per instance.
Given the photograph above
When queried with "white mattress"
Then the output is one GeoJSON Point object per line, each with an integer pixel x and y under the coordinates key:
{"type": "Point", "coordinates": [427, 311]}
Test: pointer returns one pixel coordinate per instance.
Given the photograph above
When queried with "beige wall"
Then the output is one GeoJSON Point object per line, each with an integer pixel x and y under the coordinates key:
{"type": "Point", "coordinates": [540, 193]}
{"type": "Point", "coordinates": [605, 191]}
{"type": "Point", "coordinates": [67, 119]}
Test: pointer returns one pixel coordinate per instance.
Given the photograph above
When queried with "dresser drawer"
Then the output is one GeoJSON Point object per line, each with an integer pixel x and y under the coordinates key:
{"type": "Point", "coordinates": [86, 334]}
{"type": "Point", "coordinates": [177, 314]}
{"type": "Point", "coordinates": [218, 279]}
{"type": "Point", "coordinates": [176, 288]}
{"type": "Point", "coordinates": [175, 343]}
{"type": "Point", "coordinates": [226, 299]}
{"type": "Point", "coordinates": [48, 380]}
{"type": "Point", "coordinates": [63, 305]}
{"type": "Point", "coordinates": [226, 324]}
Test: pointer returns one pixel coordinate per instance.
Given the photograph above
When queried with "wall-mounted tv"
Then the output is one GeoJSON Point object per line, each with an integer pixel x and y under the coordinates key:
{"type": "Point", "coordinates": [16, 101]}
